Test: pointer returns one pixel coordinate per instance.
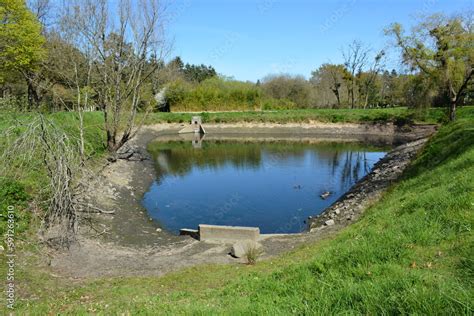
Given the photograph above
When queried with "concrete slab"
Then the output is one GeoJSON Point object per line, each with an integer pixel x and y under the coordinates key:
{"type": "Point", "coordinates": [194, 233]}
{"type": "Point", "coordinates": [195, 127]}
{"type": "Point", "coordinates": [227, 233]}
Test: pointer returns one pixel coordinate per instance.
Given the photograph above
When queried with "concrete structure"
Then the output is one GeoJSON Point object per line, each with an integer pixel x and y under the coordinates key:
{"type": "Point", "coordinates": [227, 233]}
{"type": "Point", "coordinates": [197, 141]}
{"type": "Point", "coordinates": [196, 120]}
{"type": "Point", "coordinates": [194, 233]}
{"type": "Point", "coordinates": [195, 126]}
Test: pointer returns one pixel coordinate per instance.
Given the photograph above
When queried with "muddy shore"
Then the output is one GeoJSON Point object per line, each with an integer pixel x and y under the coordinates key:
{"type": "Point", "coordinates": [129, 243]}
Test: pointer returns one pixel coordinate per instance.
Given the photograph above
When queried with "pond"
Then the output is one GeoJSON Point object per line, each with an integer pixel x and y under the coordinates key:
{"type": "Point", "coordinates": [273, 185]}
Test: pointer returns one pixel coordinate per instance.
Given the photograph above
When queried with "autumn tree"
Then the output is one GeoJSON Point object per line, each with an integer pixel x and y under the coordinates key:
{"type": "Point", "coordinates": [441, 48]}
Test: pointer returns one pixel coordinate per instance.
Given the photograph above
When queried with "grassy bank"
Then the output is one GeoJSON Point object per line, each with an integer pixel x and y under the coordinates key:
{"type": "Point", "coordinates": [397, 115]}
{"type": "Point", "coordinates": [411, 253]}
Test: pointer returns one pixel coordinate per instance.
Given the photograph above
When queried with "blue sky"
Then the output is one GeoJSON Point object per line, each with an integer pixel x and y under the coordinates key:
{"type": "Point", "coordinates": [249, 39]}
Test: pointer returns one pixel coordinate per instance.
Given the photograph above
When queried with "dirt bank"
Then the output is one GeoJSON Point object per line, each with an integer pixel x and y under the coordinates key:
{"type": "Point", "coordinates": [129, 243]}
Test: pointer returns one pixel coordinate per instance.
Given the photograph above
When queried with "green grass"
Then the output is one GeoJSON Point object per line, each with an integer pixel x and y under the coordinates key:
{"type": "Point", "coordinates": [68, 121]}
{"type": "Point", "coordinates": [411, 253]}
{"type": "Point", "coordinates": [396, 115]}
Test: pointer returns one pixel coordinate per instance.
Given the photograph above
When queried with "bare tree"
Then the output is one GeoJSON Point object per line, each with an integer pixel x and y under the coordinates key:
{"type": "Point", "coordinates": [76, 70]}
{"type": "Point", "coordinates": [372, 74]}
{"type": "Point", "coordinates": [120, 50]}
{"type": "Point", "coordinates": [42, 10]}
{"type": "Point", "coordinates": [355, 58]}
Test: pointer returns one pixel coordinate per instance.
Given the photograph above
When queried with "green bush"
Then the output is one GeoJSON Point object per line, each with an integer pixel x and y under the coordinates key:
{"type": "Point", "coordinates": [214, 94]}
{"type": "Point", "coordinates": [12, 193]}
{"type": "Point", "coordinates": [278, 104]}
{"type": "Point", "coordinates": [10, 104]}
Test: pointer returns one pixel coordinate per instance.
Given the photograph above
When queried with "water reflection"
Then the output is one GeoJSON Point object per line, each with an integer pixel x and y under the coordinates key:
{"type": "Point", "coordinates": [274, 185]}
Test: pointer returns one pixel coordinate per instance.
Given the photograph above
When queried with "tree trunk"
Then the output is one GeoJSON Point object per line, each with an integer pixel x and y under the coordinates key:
{"type": "Point", "coordinates": [113, 145]}
{"type": "Point", "coordinates": [352, 95]}
{"type": "Point", "coordinates": [33, 97]}
{"type": "Point", "coordinates": [366, 103]}
{"type": "Point", "coordinates": [452, 109]}
{"type": "Point", "coordinates": [338, 97]}
{"type": "Point", "coordinates": [110, 142]}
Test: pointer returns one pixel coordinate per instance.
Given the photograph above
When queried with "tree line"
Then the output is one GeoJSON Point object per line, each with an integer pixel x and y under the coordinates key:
{"type": "Point", "coordinates": [88, 55]}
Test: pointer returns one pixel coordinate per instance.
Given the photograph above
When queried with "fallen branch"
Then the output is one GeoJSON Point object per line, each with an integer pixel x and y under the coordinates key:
{"type": "Point", "coordinates": [105, 231]}
{"type": "Point", "coordinates": [97, 209]}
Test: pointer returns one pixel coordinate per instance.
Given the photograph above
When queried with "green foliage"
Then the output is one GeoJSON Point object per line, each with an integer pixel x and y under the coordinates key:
{"type": "Point", "coordinates": [198, 73]}
{"type": "Point", "coordinates": [68, 121]}
{"type": "Point", "coordinates": [214, 94]}
{"type": "Point", "coordinates": [94, 135]}
{"type": "Point", "coordinates": [21, 42]}
{"type": "Point", "coordinates": [278, 104]}
{"type": "Point", "coordinates": [330, 81]}
{"type": "Point", "coordinates": [441, 48]}
{"type": "Point", "coordinates": [288, 88]}
{"type": "Point", "coordinates": [12, 104]}
{"type": "Point", "coordinates": [13, 194]}
{"type": "Point", "coordinates": [29, 172]}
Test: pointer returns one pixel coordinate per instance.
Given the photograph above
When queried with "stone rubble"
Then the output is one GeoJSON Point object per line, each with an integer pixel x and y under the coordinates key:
{"type": "Point", "coordinates": [385, 172]}
{"type": "Point", "coordinates": [132, 153]}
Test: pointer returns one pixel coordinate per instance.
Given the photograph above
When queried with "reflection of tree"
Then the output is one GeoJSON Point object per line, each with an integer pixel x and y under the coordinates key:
{"type": "Point", "coordinates": [366, 164]}
{"type": "Point", "coordinates": [348, 165]}
{"type": "Point", "coordinates": [215, 155]}
{"type": "Point", "coordinates": [346, 174]}
{"type": "Point", "coordinates": [354, 163]}
{"type": "Point", "coordinates": [177, 158]}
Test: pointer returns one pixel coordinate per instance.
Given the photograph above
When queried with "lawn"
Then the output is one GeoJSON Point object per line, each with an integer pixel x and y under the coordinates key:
{"type": "Point", "coordinates": [397, 115]}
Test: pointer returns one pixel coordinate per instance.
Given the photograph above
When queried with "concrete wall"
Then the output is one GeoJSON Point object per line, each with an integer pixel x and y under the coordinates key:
{"type": "Point", "coordinates": [227, 233]}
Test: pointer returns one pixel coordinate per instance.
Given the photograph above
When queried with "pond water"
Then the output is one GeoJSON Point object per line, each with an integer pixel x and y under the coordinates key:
{"type": "Point", "coordinates": [274, 185]}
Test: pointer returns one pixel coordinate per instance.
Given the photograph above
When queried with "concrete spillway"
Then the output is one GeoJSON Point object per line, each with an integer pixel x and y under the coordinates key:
{"type": "Point", "coordinates": [195, 127]}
